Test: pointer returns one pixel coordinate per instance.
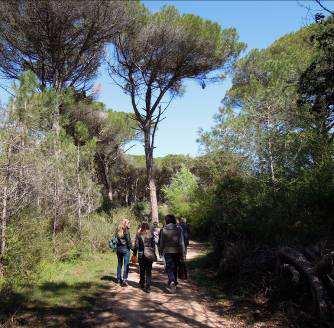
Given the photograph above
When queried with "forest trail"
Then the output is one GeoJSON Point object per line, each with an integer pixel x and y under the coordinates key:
{"type": "Point", "coordinates": [131, 307]}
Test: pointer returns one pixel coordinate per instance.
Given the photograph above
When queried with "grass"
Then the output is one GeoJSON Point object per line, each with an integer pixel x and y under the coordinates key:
{"type": "Point", "coordinates": [62, 294]}
{"type": "Point", "coordinates": [63, 284]}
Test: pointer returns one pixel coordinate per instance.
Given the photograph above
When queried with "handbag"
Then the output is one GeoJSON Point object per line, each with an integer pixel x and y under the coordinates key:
{"type": "Point", "coordinates": [182, 270]}
{"type": "Point", "coordinates": [134, 259]}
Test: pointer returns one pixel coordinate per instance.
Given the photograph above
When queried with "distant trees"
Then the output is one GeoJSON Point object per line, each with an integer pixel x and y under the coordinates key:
{"type": "Point", "coordinates": [155, 54]}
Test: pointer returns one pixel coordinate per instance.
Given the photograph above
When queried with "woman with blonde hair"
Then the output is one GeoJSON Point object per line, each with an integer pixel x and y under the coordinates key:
{"type": "Point", "coordinates": [124, 246]}
{"type": "Point", "coordinates": [145, 246]}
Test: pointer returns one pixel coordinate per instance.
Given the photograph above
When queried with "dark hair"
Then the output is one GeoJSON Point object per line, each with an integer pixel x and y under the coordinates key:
{"type": "Point", "coordinates": [170, 218]}
{"type": "Point", "coordinates": [144, 227]}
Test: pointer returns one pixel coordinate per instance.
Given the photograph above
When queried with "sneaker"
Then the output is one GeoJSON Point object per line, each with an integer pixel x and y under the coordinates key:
{"type": "Point", "coordinates": [125, 283]}
{"type": "Point", "coordinates": [172, 287]}
{"type": "Point", "coordinates": [147, 289]}
{"type": "Point", "coordinates": [119, 282]}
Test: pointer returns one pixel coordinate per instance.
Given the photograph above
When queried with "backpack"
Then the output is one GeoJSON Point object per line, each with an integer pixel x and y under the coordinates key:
{"type": "Point", "coordinates": [149, 251]}
{"type": "Point", "coordinates": [113, 243]}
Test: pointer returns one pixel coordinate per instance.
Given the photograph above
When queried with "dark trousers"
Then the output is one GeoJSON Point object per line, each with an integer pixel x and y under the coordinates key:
{"type": "Point", "coordinates": [123, 260]}
{"type": "Point", "coordinates": [145, 271]}
{"type": "Point", "coordinates": [172, 264]}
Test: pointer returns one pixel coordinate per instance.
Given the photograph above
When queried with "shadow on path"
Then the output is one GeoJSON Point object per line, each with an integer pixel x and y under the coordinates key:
{"type": "Point", "coordinates": [109, 305]}
{"type": "Point", "coordinates": [131, 307]}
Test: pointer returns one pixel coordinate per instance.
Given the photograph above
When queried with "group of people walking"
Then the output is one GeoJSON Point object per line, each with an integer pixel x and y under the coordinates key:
{"type": "Point", "coordinates": [171, 241]}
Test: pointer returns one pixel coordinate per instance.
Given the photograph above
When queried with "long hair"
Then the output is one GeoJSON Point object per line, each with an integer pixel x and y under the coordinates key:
{"type": "Point", "coordinates": [144, 229]}
{"type": "Point", "coordinates": [122, 227]}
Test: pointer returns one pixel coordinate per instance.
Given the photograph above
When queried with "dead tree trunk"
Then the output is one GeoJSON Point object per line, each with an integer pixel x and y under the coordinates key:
{"type": "Point", "coordinates": [306, 269]}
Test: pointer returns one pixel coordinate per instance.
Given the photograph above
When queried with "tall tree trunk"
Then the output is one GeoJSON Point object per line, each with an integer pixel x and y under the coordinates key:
{"type": "Point", "coordinates": [135, 191]}
{"type": "Point", "coordinates": [56, 130]}
{"type": "Point", "coordinates": [271, 162]}
{"type": "Point", "coordinates": [150, 176]}
{"type": "Point", "coordinates": [4, 214]}
{"type": "Point", "coordinates": [270, 150]}
{"type": "Point", "coordinates": [79, 191]}
{"type": "Point", "coordinates": [3, 221]}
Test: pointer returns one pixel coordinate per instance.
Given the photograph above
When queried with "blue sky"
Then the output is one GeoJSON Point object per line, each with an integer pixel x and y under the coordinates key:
{"type": "Point", "coordinates": [259, 23]}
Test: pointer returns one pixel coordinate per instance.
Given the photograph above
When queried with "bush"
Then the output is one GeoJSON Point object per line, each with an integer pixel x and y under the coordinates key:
{"type": "Point", "coordinates": [180, 192]}
{"type": "Point", "coordinates": [122, 213]}
{"type": "Point", "coordinates": [99, 228]}
{"type": "Point", "coordinates": [69, 247]}
{"type": "Point", "coordinates": [28, 244]}
{"type": "Point", "coordinates": [142, 210]}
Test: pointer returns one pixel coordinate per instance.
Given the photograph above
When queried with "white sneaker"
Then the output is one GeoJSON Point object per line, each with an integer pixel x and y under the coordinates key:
{"type": "Point", "coordinates": [172, 287]}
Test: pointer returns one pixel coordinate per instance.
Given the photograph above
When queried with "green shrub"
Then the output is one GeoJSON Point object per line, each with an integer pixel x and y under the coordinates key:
{"type": "Point", "coordinates": [99, 228]}
{"type": "Point", "coordinates": [180, 192]}
{"type": "Point", "coordinates": [142, 210]}
{"type": "Point", "coordinates": [163, 210]}
{"type": "Point", "coordinates": [122, 213]}
{"type": "Point", "coordinates": [28, 244]}
{"type": "Point", "coordinates": [67, 246]}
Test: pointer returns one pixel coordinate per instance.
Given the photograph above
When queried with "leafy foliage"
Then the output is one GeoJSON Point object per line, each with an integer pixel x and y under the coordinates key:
{"type": "Point", "coordinates": [181, 191]}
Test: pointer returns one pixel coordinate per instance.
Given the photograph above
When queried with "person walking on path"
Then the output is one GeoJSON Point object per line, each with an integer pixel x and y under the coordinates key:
{"type": "Point", "coordinates": [145, 246]}
{"type": "Point", "coordinates": [124, 245]}
{"type": "Point", "coordinates": [156, 233]}
{"type": "Point", "coordinates": [186, 232]}
{"type": "Point", "coordinates": [171, 245]}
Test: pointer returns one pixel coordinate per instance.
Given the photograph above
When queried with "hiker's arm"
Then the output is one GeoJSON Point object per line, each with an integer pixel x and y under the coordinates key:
{"type": "Point", "coordinates": [136, 246]}
{"type": "Point", "coordinates": [160, 242]}
{"type": "Point", "coordinates": [182, 244]}
{"type": "Point", "coordinates": [128, 240]}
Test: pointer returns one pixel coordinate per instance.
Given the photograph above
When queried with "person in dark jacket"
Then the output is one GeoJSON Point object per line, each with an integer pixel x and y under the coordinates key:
{"type": "Point", "coordinates": [171, 245]}
{"type": "Point", "coordinates": [124, 246]}
{"type": "Point", "coordinates": [186, 232]}
{"type": "Point", "coordinates": [145, 246]}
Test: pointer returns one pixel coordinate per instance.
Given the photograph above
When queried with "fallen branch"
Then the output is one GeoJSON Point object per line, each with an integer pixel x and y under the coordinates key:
{"type": "Point", "coordinates": [305, 268]}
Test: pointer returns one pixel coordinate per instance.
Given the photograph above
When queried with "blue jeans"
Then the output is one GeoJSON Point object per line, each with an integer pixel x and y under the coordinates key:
{"type": "Point", "coordinates": [123, 259]}
{"type": "Point", "coordinates": [172, 263]}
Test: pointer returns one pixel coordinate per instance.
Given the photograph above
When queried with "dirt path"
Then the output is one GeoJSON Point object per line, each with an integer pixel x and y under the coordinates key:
{"type": "Point", "coordinates": [131, 307]}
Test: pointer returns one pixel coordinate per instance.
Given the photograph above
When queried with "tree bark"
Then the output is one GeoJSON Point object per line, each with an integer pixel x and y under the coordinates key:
{"type": "Point", "coordinates": [79, 191]}
{"type": "Point", "coordinates": [271, 162]}
{"type": "Point", "coordinates": [3, 221]}
{"type": "Point", "coordinates": [4, 213]}
{"type": "Point", "coordinates": [150, 176]}
{"type": "Point", "coordinates": [56, 129]}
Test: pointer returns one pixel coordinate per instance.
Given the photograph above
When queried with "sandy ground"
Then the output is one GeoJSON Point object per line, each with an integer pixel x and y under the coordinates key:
{"type": "Point", "coordinates": [131, 307]}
